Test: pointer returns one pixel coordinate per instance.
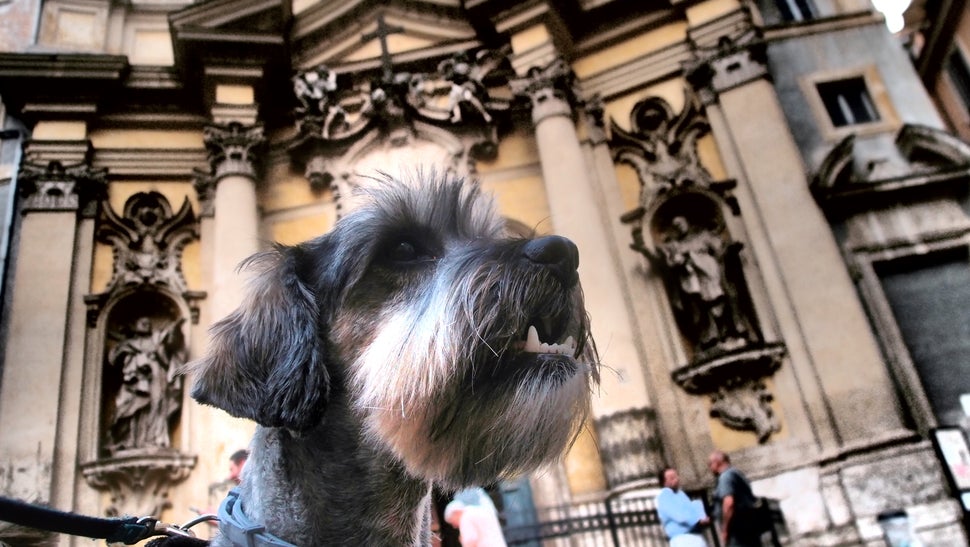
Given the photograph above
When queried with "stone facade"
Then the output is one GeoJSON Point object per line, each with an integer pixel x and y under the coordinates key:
{"type": "Point", "coordinates": [742, 187]}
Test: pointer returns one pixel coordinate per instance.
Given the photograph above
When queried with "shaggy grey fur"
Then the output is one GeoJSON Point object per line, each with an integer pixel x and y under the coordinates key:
{"type": "Point", "coordinates": [387, 356]}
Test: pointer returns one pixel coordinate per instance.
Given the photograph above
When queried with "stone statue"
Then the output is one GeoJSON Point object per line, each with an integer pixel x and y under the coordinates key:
{"type": "Point", "coordinates": [466, 85]}
{"type": "Point", "coordinates": [151, 389]}
{"type": "Point", "coordinates": [317, 92]}
{"type": "Point", "coordinates": [705, 301]}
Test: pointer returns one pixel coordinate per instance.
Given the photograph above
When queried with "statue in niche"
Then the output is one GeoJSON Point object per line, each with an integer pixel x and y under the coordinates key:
{"type": "Point", "coordinates": [151, 389]}
{"type": "Point", "coordinates": [705, 301]}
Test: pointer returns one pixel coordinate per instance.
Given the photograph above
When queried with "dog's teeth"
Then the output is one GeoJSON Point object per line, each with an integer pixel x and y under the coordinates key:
{"type": "Point", "coordinates": [532, 344]}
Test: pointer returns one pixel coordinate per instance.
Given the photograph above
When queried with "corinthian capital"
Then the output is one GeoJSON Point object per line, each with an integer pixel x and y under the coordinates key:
{"type": "Point", "coordinates": [233, 148]}
{"type": "Point", "coordinates": [56, 187]}
{"type": "Point", "coordinates": [551, 89]}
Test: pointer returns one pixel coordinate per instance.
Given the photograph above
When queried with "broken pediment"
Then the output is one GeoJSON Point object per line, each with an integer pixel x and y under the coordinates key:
{"type": "Point", "coordinates": [920, 161]}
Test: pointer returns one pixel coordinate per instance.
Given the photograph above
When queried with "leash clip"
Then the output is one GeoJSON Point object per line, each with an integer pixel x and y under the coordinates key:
{"type": "Point", "coordinates": [159, 528]}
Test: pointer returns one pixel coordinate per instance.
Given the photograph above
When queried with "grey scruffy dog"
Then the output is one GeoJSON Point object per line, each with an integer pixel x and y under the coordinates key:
{"type": "Point", "coordinates": [414, 344]}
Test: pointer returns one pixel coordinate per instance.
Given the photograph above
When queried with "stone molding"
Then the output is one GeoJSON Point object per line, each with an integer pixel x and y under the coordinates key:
{"type": "Point", "coordinates": [138, 481]}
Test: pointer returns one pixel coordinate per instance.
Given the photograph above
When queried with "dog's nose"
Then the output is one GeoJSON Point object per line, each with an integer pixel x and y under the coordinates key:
{"type": "Point", "coordinates": [556, 253]}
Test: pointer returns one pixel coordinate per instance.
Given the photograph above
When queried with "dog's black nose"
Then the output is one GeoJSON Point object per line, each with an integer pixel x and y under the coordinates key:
{"type": "Point", "coordinates": [556, 253]}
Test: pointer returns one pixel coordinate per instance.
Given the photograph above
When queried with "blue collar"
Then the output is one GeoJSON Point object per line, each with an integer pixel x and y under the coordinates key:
{"type": "Point", "coordinates": [242, 532]}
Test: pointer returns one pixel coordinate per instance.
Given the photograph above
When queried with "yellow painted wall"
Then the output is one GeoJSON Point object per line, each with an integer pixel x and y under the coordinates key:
{"type": "Point", "coordinates": [629, 50]}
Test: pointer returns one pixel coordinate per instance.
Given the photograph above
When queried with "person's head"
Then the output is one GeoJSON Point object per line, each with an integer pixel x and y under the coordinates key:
{"type": "Point", "coordinates": [453, 512]}
{"type": "Point", "coordinates": [670, 479]}
{"type": "Point", "coordinates": [236, 462]}
{"type": "Point", "coordinates": [718, 461]}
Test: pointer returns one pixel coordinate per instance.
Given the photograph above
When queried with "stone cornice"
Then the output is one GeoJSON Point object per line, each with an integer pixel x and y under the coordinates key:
{"type": "Point", "coordinates": [132, 163]}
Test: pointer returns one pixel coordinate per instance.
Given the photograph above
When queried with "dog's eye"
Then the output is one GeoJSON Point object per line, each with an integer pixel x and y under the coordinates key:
{"type": "Point", "coordinates": [407, 251]}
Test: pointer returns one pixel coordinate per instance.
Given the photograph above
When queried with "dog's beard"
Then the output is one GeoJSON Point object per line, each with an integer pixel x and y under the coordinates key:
{"type": "Point", "coordinates": [448, 382]}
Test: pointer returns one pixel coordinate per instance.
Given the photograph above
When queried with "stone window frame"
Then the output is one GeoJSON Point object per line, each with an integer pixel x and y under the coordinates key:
{"type": "Point", "coordinates": [878, 92]}
{"type": "Point", "coordinates": [864, 263]}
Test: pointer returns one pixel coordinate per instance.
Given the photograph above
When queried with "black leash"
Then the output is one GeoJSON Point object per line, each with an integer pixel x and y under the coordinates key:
{"type": "Point", "coordinates": [127, 530]}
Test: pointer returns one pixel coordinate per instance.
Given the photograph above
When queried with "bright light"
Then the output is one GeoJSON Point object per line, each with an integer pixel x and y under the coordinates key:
{"type": "Point", "coordinates": [893, 11]}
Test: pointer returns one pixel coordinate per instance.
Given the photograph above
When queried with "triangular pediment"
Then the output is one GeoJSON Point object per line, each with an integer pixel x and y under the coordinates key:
{"type": "Point", "coordinates": [356, 38]}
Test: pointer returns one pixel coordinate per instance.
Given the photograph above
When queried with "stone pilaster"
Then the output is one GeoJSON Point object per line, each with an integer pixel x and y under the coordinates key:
{"type": "Point", "coordinates": [577, 213]}
{"type": "Point", "coordinates": [837, 394]}
{"type": "Point", "coordinates": [39, 395]}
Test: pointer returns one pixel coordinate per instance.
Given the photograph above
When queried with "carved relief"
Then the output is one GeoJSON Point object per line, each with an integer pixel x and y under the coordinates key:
{"type": "Point", "coordinates": [680, 227]}
{"type": "Point", "coordinates": [337, 113]}
{"type": "Point", "coordinates": [147, 243]}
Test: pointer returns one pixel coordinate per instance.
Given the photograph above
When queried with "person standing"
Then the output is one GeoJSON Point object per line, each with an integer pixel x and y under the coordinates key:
{"type": "Point", "coordinates": [682, 519]}
{"type": "Point", "coordinates": [734, 504]}
{"type": "Point", "coordinates": [473, 514]}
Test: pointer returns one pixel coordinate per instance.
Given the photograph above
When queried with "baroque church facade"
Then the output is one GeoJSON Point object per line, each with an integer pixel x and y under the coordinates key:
{"type": "Point", "coordinates": [772, 219]}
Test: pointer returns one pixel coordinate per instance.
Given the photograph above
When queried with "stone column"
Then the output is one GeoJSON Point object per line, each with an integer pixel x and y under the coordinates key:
{"type": "Point", "coordinates": [623, 417]}
{"type": "Point", "coordinates": [229, 227]}
{"type": "Point", "coordinates": [39, 394]}
{"type": "Point", "coordinates": [236, 213]}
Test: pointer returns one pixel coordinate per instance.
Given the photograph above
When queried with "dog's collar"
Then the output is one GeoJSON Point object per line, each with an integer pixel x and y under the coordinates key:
{"type": "Point", "coordinates": [242, 532]}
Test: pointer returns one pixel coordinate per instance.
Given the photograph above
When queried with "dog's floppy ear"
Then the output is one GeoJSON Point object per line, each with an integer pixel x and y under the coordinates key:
{"type": "Point", "coordinates": [267, 361]}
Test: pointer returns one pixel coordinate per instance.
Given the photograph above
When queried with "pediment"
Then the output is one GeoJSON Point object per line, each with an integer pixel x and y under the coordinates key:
{"type": "Point", "coordinates": [354, 38]}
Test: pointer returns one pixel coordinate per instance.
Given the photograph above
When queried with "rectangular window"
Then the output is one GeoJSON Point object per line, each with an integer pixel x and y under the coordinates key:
{"type": "Point", "coordinates": [959, 74]}
{"type": "Point", "coordinates": [847, 101]}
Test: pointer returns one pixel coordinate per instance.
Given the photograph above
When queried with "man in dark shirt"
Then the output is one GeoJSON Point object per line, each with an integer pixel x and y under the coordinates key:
{"type": "Point", "coordinates": [734, 504]}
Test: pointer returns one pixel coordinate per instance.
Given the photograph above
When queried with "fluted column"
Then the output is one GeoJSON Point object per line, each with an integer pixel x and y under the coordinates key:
{"type": "Point", "coordinates": [39, 394]}
{"type": "Point", "coordinates": [622, 411]}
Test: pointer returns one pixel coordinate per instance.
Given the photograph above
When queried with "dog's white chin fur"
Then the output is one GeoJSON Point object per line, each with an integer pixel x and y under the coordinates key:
{"type": "Point", "coordinates": [413, 365]}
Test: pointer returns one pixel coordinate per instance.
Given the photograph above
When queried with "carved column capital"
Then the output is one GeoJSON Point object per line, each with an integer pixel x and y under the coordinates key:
{"type": "Point", "coordinates": [628, 446]}
{"type": "Point", "coordinates": [53, 186]}
{"type": "Point", "coordinates": [552, 90]}
{"type": "Point", "coordinates": [233, 149]}
{"type": "Point", "coordinates": [733, 62]}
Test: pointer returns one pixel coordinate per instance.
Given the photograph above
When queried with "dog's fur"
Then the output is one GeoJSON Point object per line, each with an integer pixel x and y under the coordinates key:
{"type": "Point", "coordinates": [387, 356]}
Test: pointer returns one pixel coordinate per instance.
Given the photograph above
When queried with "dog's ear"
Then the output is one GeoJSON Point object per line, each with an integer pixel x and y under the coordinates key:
{"type": "Point", "coordinates": [267, 360]}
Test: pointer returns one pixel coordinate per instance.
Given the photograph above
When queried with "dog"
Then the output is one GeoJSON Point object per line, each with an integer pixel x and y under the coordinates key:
{"type": "Point", "coordinates": [417, 343]}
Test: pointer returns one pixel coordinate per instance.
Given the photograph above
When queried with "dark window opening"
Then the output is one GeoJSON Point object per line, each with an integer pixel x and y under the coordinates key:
{"type": "Point", "coordinates": [848, 102]}
{"type": "Point", "coordinates": [795, 10]}
{"type": "Point", "coordinates": [959, 73]}
{"type": "Point", "coordinates": [929, 297]}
